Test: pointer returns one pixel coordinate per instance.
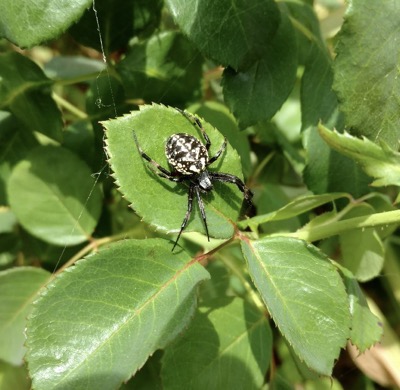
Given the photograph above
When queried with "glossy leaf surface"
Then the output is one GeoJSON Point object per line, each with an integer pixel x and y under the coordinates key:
{"type": "Point", "coordinates": [109, 314]}
{"type": "Point", "coordinates": [159, 201]}
{"type": "Point", "coordinates": [305, 296]}
{"type": "Point", "coordinates": [29, 24]}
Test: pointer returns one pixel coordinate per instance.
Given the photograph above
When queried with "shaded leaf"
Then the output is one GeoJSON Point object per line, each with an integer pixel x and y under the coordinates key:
{"type": "Point", "coordinates": [24, 90]}
{"type": "Point", "coordinates": [118, 21]}
{"type": "Point", "coordinates": [258, 92]}
{"type": "Point", "coordinates": [12, 377]}
{"type": "Point", "coordinates": [367, 69]}
{"type": "Point", "coordinates": [54, 196]}
{"type": "Point", "coordinates": [72, 67]}
{"type": "Point", "coordinates": [40, 20]}
{"type": "Point", "coordinates": [329, 171]}
{"type": "Point", "coordinates": [318, 100]}
{"type": "Point", "coordinates": [18, 288]}
{"type": "Point", "coordinates": [158, 201]}
{"type": "Point", "coordinates": [233, 33]}
{"type": "Point", "coordinates": [15, 144]}
{"type": "Point", "coordinates": [326, 170]}
{"type": "Point", "coordinates": [230, 347]}
{"type": "Point", "coordinates": [305, 296]}
{"type": "Point", "coordinates": [109, 314]}
{"type": "Point", "coordinates": [307, 28]}
{"type": "Point", "coordinates": [379, 162]}
{"type": "Point", "coordinates": [165, 68]}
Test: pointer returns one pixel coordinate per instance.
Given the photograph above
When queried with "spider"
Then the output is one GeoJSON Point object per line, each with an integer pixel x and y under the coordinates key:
{"type": "Point", "coordinates": [189, 160]}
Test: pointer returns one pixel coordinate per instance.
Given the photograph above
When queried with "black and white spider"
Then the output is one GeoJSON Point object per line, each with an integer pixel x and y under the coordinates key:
{"type": "Point", "coordinates": [189, 160]}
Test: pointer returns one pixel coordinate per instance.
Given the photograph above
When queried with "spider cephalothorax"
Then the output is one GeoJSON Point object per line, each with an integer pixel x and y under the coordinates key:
{"type": "Point", "coordinates": [189, 159]}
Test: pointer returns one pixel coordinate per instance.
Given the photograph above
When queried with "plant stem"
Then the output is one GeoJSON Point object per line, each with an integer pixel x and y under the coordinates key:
{"type": "Point", "coordinates": [239, 274]}
{"type": "Point", "coordinates": [68, 106]}
{"type": "Point", "coordinates": [369, 221]}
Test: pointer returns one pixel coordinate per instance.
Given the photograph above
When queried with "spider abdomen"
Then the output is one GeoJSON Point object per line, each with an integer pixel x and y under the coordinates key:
{"type": "Point", "coordinates": [186, 154]}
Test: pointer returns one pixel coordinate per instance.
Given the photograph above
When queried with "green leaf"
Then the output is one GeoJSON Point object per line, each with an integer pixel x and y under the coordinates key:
{"type": "Point", "coordinates": [73, 67]}
{"type": "Point", "coordinates": [296, 207]}
{"type": "Point", "coordinates": [258, 92]}
{"type": "Point", "coordinates": [305, 296]}
{"type": "Point", "coordinates": [39, 21]}
{"type": "Point", "coordinates": [54, 197]}
{"type": "Point", "coordinates": [97, 324]}
{"type": "Point", "coordinates": [329, 171]}
{"type": "Point", "coordinates": [148, 377]}
{"type": "Point", "coordinates": [362, 249]}
{"type": "Point", "coordinates": [18, 288]}
{"type": "Point", "coordinates": [228, 347]}
{"type": "Point", "coordinates": [367, 69]}
{"type": "Point", "coordinates": [307, 28]}
{"type": "Point", "coordinates": [15, 378]}
{"type": "Point", "coordinates": [233, 33]}
{"type": "Point", "coordinates": [379, 162]}
{"type": "Point", "coordinates": [366, 328]}
{"type": "Point", "coordinates": [165, 68]}
{"type": "Point", "coordinates": [15, 143]}
{"type": "Point", "coordinates": [24, 90]}
{"type": "Point", "coordinates": [158, 201]}
{"type": "Point", "coordinates": [219, 116]}
{"type": "Point", "coordinates": [270, 198]}
{"type": "Point", "coordinates": [118, 21]}
{"type": "Point", "coordinates": [318, 100]}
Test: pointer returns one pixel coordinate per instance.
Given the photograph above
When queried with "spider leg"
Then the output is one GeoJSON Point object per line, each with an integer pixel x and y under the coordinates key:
{"type": "Point", "coordinates": [196, 122]}
{"type": "Point", "coordinates": [220, 151]}
{"type": "Point", "coordinates": [202, 211]}
{"type": "Point", "coordinates": [187, 215]}
{"type": "Point", "coordinates": [228, 178]}
{"type": "Point", "coordinates": [162, 171]}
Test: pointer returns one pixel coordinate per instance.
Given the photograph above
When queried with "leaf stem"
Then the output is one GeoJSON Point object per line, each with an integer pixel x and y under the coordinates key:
{"type": "Point", "coordinates": [254, 297]}
{"type": "Point", "coordinates": [68, 106]}
{"type": "Point", "coordinates": [260, 167]}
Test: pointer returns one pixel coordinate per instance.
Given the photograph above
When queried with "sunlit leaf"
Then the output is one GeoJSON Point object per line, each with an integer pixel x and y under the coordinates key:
{"type": "Point", "coordinates": [109, 314]}
{"type": "Point", "coordinates": [18, 288]}
{"type": "Point", "coordinates": [54, 196]}
{"type": "Point", "coordinates": [380, 162]}
{"type": "Point", "coordinates": [159, 201]}
{"type": "Point", "coordinates": [366, 328]}
{"type": "Point", "coordinates": [304, 295]}
{"type": "Point", "coordinates": [29, 24]}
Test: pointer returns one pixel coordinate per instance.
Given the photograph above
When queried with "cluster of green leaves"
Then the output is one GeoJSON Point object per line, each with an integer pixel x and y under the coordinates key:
{"type": "Point", "coordinates": [91, 294]}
